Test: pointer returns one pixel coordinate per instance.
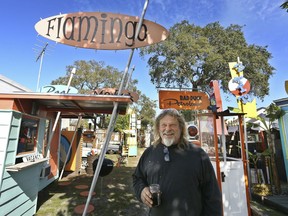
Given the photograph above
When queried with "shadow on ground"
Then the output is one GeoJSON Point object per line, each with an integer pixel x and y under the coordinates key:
{"type": "Point", "coordinates": [114, 195]}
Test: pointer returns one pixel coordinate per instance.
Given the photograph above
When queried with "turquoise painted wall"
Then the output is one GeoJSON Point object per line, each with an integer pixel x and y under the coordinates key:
{"type": "Point", "coordinates": [283, 128]}
{"type": "Point", "coordinates": [18, 190]}
{"type": "Point", "coordinates": [9, 132]}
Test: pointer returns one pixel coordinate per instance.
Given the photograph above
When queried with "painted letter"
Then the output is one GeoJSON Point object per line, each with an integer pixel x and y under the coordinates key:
{"type": "Point", "coordinates": [104, 16]}
{"type": "Point", "coordinates": [88, 20]}
{"type": "Point", "coordinates": [112, 30]}
{"type": "Point", "coordinates": [71, 28]}
{"type": "Point", "coordinates": [50, 27]}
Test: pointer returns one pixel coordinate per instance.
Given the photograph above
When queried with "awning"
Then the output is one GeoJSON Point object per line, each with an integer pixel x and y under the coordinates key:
{"type": "Point", "coordinates": [71, 105]}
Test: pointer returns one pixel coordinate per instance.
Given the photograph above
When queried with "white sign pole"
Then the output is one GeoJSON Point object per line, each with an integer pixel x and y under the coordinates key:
{"type": "Point", "coordinates": [58, 115]}
{"type": "Point", "coordinates": [70, 147]}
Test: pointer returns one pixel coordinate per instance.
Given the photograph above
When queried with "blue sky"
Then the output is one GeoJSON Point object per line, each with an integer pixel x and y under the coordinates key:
{"type": "Point", "coordinates": [265, 24]}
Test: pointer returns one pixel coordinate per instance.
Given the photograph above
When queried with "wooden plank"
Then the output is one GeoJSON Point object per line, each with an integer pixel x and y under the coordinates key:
{"type": "Point", "coordinates": [24, 165]}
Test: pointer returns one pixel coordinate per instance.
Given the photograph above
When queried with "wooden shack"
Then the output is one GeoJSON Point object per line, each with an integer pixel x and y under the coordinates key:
{"type": "Point", "coordinates": [30, 130]}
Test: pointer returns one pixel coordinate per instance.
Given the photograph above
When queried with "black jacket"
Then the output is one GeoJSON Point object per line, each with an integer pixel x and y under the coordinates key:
{"type": "Point", "coordinates": [188, 183]}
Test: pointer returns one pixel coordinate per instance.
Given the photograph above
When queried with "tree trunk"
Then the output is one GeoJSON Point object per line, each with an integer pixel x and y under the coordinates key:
{"type": "Point", "coordinates": [276, 180]}
{"type": "Point", "coordinates": [256, 171]}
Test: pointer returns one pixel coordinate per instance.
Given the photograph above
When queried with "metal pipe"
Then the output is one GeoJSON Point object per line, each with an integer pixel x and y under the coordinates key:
{"type": "Point", "coordinates": [113, 118]}
{"type": "Point", "coordinates": [70, 147]}
{"type": "Point", "coordinates": [58, 115]}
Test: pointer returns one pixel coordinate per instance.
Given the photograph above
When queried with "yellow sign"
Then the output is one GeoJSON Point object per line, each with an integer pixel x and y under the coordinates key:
{"type": "Point", "coordinates": [249, 108]}
{"type": "Point", "coordinates": [183, 100]}
{"type": "Point", "coordinates": [233, 71]}
{"type": "Point", "coordinates": [100, 30]}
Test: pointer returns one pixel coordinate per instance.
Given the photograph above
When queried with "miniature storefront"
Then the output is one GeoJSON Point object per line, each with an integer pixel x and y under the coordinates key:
{"type": "Point", "coordinates": [27, 162]}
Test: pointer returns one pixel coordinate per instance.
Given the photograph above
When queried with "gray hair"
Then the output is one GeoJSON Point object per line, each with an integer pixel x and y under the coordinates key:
{"type": "Point", "coordinates": [182, 124]}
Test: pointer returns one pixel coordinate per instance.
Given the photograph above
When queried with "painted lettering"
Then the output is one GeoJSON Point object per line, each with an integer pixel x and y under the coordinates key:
{"type": "Point", "coordinates": [70, 29]}
{"type": "Point", "coordinates": [59, 25]}
{"type": "Point", "coordinates": [186, 97]}
{"type": "Point", "coordinates": [101, 30]}
{"type": "Point", "coordinates": [89, 28]}
{"type": "Point", "coordinates": [58, 89]}
{"type": "Point", "coordinates": [113, 20]}
{"type": "Point", "coordinates": [172, 101]}
{"type": "Point", "coordinates": [88, 21]}
{"type": "Point", "coordinates": [49, 27]}
{"type": "Point", "coordinates": [113, 91]}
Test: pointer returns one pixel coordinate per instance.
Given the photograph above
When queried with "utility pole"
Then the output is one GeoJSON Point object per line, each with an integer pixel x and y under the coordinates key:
{"type": "Point", "coordinates": [40, 56]}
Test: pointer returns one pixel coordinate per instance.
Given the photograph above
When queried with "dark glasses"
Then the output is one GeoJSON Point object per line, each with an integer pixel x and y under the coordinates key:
{"type": "Point", "coordinates": [166, 154]}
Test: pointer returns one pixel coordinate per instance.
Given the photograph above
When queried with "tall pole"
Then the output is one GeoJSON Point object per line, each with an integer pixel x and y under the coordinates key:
{"type": "Point", "coordinates": [129, 77]}
{"type": "Point", "coordinates": [40, 56]}
{"type": "Point", "coordinates": [113, 117]}
{"type": "Point", "coordinates": [70, 147]}
{"type": "Point", "coordinates": [245, 140]}
{"type": "Point", "coordinates": [58, 115]}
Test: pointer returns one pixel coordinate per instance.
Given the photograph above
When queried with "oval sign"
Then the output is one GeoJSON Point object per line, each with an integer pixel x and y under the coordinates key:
{"type": "Point", "coordinates": [100, 30]}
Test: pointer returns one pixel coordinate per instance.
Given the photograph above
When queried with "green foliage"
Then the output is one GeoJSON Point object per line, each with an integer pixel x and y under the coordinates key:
{"type": "Point", "coordinates": [192, 56]}
{"type": "Point", "coordinates": [261, 189]}
{"type": "Point", "coordinates": [122, 123]}
{"type": "Point", "coordinates": [285, 6]}
{"type": "Point", "coordinates": [189, 115]}
{"type": "Point", "coordinates": [147, 112]}
{"type": "Point", "coordinates": [273, 112]}
{"type": "Point", "coordinates": [92, 75]}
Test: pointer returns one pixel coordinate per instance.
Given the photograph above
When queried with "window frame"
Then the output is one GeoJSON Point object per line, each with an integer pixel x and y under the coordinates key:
{"type": "Point", "coordinates": [28, 137]}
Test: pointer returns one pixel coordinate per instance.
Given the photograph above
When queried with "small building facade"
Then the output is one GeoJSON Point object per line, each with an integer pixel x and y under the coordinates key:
{"type": "Point", "coordinates": [30, 133]}
{"type": "Point", "coordinates": [283, 128]}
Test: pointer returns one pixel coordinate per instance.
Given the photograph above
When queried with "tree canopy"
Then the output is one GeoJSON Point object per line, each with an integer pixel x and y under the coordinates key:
{"type": "Point", "coordinates": [146, 109]}
{"type": "Point", "coordinates": [91, 75]}
{"type": "Point", "coordinates": [284, 5]}
{"type": "Point", "coordinates": [192, 56]}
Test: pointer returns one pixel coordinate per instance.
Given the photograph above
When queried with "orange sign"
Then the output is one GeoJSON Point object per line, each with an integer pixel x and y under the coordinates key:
{"type": "Point", "coordinates": [100, 30]}
{"type": "Point", "coordinates": [183, 100]}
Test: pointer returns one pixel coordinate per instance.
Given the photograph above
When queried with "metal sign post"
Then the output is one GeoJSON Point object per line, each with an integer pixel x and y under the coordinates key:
{"type": "Point", "coordinates": [113, 117]}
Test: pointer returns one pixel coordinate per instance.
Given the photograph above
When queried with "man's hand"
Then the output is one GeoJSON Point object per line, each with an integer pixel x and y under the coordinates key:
{"type": "Point", "coordinates": [146, 197]}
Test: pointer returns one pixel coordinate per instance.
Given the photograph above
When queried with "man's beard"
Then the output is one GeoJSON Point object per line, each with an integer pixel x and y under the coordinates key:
{"type": "Point", "coordinates": [168, 142]}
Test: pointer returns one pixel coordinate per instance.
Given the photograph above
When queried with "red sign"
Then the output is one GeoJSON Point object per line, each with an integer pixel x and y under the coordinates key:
{"type": "Point", "coordinates": [100, 30]}
{"type": "Point", "coordinates": [183, 100]}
